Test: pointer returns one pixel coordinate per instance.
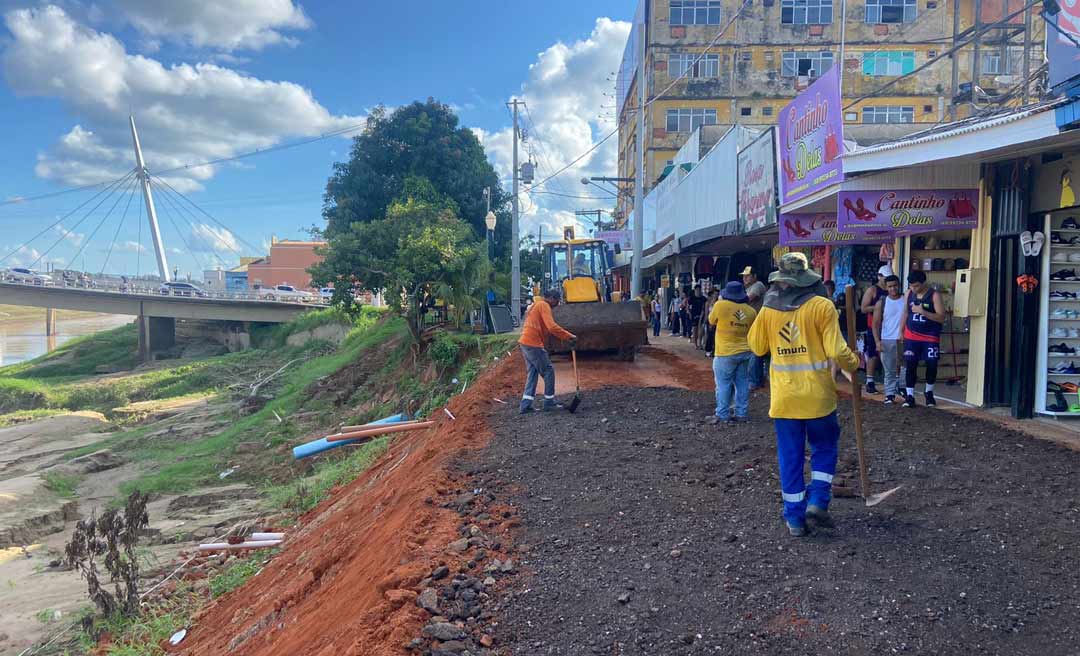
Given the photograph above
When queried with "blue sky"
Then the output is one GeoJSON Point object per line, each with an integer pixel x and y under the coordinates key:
{"type": "Point", "coordinates": [205, 84]}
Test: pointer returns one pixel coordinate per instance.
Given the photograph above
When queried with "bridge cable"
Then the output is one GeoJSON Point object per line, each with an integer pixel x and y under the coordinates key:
{"type": "Point", "coordinates": [209, 216]}
{"type": "Point", "coordinates": [63, 218]}
{"type": "Point", "coordinates": [116, 235]}
{"type": "Point", "coordinates": [191, 251]}
{"type": "Point", "coordinates": [195, 236]}
{"type": "Point", "coordinates": [67, 231]}
{"type": "Point", "coordinates": [139, 252]}
{"type": "Point", "coordinates": [19, 200]}
{"type": "Point", "coordinates": [89, 239]}
{"type": "Point", "coordinates": [185, 213]}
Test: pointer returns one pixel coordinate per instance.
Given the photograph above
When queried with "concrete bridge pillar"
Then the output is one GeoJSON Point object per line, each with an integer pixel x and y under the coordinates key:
{"type": "Point", "coordinates": [155, 334]}
{"type": "Point", "coordinates": [50, 322]}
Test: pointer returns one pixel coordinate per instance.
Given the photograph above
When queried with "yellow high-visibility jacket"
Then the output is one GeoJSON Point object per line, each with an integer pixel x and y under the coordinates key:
{"type": "Point", "coordinates": [801, 342]}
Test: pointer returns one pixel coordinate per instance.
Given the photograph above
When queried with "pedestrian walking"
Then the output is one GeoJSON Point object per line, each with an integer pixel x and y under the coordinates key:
{"type": "Point", "coordinates": [709, 329]}
{"type": "Point", "coordinates": [797, 327]}
{"type": "Point", "coordinates": [684, 315]}
{"type": "Point", "coordinates": [888, 320]}
{"type": "Point", "coordinates": [673, 314]}
{"type": "Point", "coordinates": [697, 309]}
{"type": "Point", "coordinates": [539, 324]}
{"type": "Point", "coordinates": [873, 294]}
{"type": "Point", "coordinates": [732, 317]}
{"type": "Point", "coordinates": [924, 314]}
{"type": "Point", "coordinates": [755, 291]}
{"type": "Point", "coordinates": [656, 312]}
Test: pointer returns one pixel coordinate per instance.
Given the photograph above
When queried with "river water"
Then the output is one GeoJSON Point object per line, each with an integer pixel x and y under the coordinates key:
{"type": "Point", "coordinates": [24, 339]}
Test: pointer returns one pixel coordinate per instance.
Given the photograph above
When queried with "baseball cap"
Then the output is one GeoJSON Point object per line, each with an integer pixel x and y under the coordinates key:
{"type": "Point", "coordinates": [885, 271]}
{"type": "Point", "coordinates": [747, 271]}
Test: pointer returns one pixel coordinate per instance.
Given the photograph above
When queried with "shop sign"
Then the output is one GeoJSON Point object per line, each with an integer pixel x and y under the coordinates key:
{"type": "Point", "coordinates": [821, 230]}
{"type": "Point", "coordinates": [623, 238]}
{"type": "Point", "coordinates": [757, 184]}
{"type": "Point", "coordinates": [811, 136]}
{"type": "Point", "coordinates": [908, 211]}
{"type": "Point", "coordinates": [665, 281]}
{"type": "Point", "coordinates": [1062, 53]}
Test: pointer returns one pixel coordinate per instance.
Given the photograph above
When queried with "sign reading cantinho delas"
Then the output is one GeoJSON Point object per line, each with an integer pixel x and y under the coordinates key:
{"type": "Point", "coordinates": [811, 138]}
{"type": "Point", "coordinates": [757, 184]}
{"type": "Point", "coordinates": [821, 230]}
{"type": "Point", "coordinates": [907, 211]}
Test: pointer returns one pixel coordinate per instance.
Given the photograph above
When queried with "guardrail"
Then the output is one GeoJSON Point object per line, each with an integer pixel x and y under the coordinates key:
{"type": "Point", "coordinates": [143, 290]}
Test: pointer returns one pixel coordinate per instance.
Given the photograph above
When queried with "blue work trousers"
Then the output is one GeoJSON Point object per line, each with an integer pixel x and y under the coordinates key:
{"type": "Point", "coordinates": [757, 371]}
{"type": "Point", "coordinates": [732, 372]}
{"type": "Point", "coordinates": [823, 434]}
{"type": "Point", "coordinates": [539, 364]}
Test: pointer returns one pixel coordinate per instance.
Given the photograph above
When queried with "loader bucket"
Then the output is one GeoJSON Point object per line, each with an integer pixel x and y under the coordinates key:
{"type": "Point", "coordinates": [601, 327]}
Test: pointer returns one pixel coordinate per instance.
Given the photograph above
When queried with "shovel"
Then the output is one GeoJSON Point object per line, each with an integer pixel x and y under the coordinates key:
{"type": "Point", "coordinates": [576, 401]}
{"type": "Point", "coordinates": [856, 405]}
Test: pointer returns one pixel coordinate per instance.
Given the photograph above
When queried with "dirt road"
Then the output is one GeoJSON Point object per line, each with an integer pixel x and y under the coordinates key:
{"type": "Point", "coordinates": [651, 532]}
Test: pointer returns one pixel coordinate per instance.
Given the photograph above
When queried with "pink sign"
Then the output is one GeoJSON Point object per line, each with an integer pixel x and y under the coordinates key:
{"type": "Point", "coordinates": [908, 211]}
{"type": "Point", "coordinates": [821, 230]}
{"type": "Point", "coordinates": [811, 136]}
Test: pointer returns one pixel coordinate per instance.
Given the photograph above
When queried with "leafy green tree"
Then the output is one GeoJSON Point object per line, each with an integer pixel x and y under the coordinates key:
{"type": "Point", "coordinates": [421, 140]}
{"type": "Point", "coordinates": [421, 251]}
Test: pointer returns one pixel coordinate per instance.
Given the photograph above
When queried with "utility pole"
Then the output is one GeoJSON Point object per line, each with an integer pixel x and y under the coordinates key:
{"type": "Point", "coordinates": [148, 197]}
{"type": "Point", "coordinates": [955, 56]}
{"type": "Point", "coordinates": [639, 170]}
{"type": "Point", "coordinates": [515, 223]}
{"type": "Point", "coordinates": [595, 215]}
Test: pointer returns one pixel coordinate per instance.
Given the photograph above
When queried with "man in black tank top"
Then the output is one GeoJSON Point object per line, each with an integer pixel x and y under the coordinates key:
{"type": "Point", "coordinates": [870, 347]}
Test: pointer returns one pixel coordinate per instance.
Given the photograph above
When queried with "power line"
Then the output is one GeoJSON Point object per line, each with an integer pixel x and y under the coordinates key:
{"type": "Point", "coordinates": [18, 200]}
{"type": "Point", "coordinates": [90, 238]}
{"type": "Point", "coordinates": [556, 193]}
{"type": "Point", "coordinates": [263, 151]}
{"type": "Point", "coordinates": [195, 234]}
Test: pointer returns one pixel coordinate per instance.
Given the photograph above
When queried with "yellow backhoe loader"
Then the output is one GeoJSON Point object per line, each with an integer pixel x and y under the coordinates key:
{"type": "Point", "coordinates": [599, 316]}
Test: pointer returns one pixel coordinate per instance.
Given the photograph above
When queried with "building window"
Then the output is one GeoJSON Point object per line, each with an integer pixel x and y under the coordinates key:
{"type": "Point", "coordinates": [695, 12]}
{"type": "Point", "coordinates": [890, 114]}
{"type": "Point", "coordinates": [890, 11]}
{"type": "Point", "coordinates": [927, 109]}
{"type": "Point", "coordinates": [766, 110]}
{"type": "Point", "coordinates": [746, 56]}
{"type": "Point", "coordinates": [688, 120]}
{"type": "Point", "coordinates": [931, 54]}
{"type": "Point", "coordinates": [811, 64]}
{"type": "Point", "coordinates": [746, 111]}
{"type": "Point", "coordinates": [805, 12]}
{"type": "Point", "coordinates": [897, 62]}
{"type": "Point", "coordinates": [688, 64]}
{"type": "Point", "coordinates": [994, 64]}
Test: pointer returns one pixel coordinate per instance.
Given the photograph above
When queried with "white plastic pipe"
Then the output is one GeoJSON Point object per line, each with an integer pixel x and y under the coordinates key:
{"type": "Point", "coordinates": [257, 537]}
{"type": "Point", "coordinates": [225, 546]}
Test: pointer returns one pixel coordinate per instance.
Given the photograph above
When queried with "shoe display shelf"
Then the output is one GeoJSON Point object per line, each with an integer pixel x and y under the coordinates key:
{"type": "Point", "coordinates": [1059, 314]}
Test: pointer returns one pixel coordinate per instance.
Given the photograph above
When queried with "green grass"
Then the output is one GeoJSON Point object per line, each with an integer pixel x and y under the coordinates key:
{"type": "Point", "coordinates": [61, 484]}
{"type": "Point", "coordinates": [22, 416]}
{"type": "Point", "coordinates": [306, 493]}
{"type": "Point", "coordinates": [238, 573]}
{"type": "Point", "coordinates": [82, 356]}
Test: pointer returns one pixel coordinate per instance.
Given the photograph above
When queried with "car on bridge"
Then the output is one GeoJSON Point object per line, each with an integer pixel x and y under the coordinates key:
{"type": "Point", "coordinates": [326, 294]}
{"type": "Point", "coordinates": [22, 274]}
{"type": "Point", "coordinates": [173, 288]}
{"type": "Point", "coordinates": [285, 293]}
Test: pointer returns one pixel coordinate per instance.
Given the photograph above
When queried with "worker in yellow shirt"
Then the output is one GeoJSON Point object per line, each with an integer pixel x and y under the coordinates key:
{"type": "Point", "coordinates": [732, 316]}
{"type": "Point", "coordinates": [538, 326]}
{"type": "Point", "coordinates": [798, 328]}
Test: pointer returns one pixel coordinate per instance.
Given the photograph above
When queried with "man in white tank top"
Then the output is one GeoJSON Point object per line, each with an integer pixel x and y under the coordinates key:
{"type": "Point", "coordinates": [888, 331]}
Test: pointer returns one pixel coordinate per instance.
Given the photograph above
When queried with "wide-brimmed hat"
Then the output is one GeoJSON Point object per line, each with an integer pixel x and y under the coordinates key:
{"type": "Point", "coordinates": [748, 271]}
{"type": "Point", "coordinates": [795, 271]}
{"type": "Point", "coordinates": [734, 292]}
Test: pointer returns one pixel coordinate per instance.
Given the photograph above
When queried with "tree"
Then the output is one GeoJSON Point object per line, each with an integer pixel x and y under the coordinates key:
{"type": "Point", "coordinates": [421, 251]}
{"type": "Point", "coordinates": [421, 140]}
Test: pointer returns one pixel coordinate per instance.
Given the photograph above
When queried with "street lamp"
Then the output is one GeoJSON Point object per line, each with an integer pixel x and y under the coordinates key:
{"type": "Point", "coordinates": [489, 220]}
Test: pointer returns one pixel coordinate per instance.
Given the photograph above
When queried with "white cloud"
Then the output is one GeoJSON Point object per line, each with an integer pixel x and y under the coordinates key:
{"type": "Point", "coordinates": [209, 239]}
{"type": "Point", "coordinates": [232, 25]}
{"type": "Point", "coordinates": [129, 247]}
{"type": "Point", "coordinates": [24, 256]}
{"type": "Point", "coordinates": [565, 94]}
{"type": "Point", "coordinates": [185, 113]}
{"type": "Point", "coordinates": [73, 238]}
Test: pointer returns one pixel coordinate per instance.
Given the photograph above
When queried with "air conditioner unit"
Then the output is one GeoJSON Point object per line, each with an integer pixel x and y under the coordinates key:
{"type": "Point", "coordinates": [801, 82]}
{"type": "Point", "coordinates": [1004, 80]}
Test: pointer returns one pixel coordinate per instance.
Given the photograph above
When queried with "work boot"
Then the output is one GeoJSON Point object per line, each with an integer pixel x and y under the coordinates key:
{"type": "Point", "coordinates": [526, 407]}
{"type": "Point", "coordinates": [714, 420]}
{"type": "Point", "coordinates": [909, 401]}
{"type": "Point", "coordinates": [551, 405]}
{"type": "Point", "coordinates": [796, 531]}
{"type": "Point", "coordinates": [819, 517]}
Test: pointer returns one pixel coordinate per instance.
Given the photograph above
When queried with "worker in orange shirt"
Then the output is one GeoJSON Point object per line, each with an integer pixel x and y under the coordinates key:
{"type": "Point", "coordinates": [534, 333]}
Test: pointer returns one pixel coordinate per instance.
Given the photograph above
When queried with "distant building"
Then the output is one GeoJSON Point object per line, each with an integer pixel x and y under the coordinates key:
{"type": "Point", "coordinates": [214, 280]}
{"type": "Point", "coordinates": [287, 264]}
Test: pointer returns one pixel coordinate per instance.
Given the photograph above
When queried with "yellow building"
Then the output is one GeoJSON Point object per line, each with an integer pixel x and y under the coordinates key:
{"type": "Point", "coordinates": [775, 48]}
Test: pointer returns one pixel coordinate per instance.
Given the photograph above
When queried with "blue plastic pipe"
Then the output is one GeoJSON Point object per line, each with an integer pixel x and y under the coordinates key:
{"type": "Point", "coordinates": [320, 445]}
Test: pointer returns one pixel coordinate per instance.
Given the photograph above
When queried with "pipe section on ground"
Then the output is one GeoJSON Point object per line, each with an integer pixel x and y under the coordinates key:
{"type": "Point", "coordinates": [379, 430]}
{"type": "Point", "coordinates": [318, 446]}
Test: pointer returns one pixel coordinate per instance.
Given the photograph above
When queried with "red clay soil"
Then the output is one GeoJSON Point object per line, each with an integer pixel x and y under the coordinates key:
{"type": "Point", "coordinates": [345, 581]}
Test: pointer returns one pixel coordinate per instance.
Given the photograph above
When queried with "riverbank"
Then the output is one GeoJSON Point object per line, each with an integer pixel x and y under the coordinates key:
{"type": "Point", "coordinates": [209, 439]}
{"type": "Point", "coordinates": [22, 330]}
